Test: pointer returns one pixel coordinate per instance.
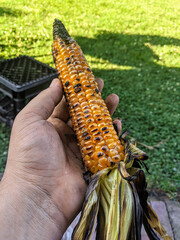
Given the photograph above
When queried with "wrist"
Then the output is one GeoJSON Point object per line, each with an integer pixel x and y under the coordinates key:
{"type": "Point", "coordinates": [26, 212]}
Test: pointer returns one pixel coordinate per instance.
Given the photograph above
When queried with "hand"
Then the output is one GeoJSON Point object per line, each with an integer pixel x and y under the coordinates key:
{"type": "Point", "coordinates": [43, 177]}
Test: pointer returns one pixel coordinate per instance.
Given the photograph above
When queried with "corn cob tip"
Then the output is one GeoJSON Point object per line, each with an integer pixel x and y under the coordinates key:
{"type": "Point", "coordinates": [59, 31]}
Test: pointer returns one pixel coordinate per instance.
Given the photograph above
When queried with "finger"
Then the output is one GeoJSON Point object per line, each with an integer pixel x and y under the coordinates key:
{"type": "Point", "coordinates": [44, 103]}
{"type": "Point", "coordinates": [100, 83]}
{"type": "Point", "coordinates": [112, 102]}
{"type": "Point", "coordinates": [61, 111]}
{"type": "Point", "coordinates": [118, 126]}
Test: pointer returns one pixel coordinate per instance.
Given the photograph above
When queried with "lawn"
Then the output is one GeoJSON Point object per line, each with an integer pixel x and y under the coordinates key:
{"type": "Point", "coordinates": [134, 46]}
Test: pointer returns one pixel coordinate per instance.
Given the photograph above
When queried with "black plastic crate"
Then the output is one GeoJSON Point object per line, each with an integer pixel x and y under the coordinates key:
{"type": "Point", "coordinates": [21, 79]}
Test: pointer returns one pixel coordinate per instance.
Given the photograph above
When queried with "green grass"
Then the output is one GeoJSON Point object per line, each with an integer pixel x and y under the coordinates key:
{"type": "Point", "coordinates": [134, 46]}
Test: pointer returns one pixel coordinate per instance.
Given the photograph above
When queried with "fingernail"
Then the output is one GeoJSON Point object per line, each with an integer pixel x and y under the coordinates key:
{"type": "Point", "coordinates": [120, 119]}
{"type": "Point", "coordinates": [55, 82]}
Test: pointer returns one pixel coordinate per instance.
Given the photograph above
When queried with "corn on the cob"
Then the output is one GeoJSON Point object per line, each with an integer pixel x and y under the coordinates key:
{"type": "Point", "coordinates": [98, 141]}
{"type": "Point", "coordinates": [116, 198]}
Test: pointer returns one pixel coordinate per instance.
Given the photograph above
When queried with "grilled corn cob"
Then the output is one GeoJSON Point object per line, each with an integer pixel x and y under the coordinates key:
{"type": "Point", "coordinates": [116, 199]}
{"type": "Point", "coordinates": [98, 141]}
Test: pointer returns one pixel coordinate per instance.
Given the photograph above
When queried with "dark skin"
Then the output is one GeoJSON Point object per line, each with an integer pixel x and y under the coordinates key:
{"type": "Point", "coordinates": [43, 189]}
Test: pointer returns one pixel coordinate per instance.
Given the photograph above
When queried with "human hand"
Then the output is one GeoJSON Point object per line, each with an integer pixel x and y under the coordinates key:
{"type": "Point", "coordinates": [44, 166]}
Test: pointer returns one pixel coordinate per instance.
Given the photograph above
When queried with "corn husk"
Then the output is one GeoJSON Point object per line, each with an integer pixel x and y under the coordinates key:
{"type": "Point", "coordinates": [115, 205]}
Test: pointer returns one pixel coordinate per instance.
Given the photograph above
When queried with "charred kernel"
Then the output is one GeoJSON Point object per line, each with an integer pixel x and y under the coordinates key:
{"type": "Point", "coordinates": [90, 153]}
{"type": "Point", "coordinates": [94, 130]}
{"type": "Point", "coordinates": [83, 126]}
{"type": "Point", "coordinates": [104, 148]}
{"type": "Point", "coordinates": [98, 133]}
{"type": "Point", "coordinates": [90, 120]}
{"type": "Point", "coordinates": [86, 107]}
{"type": "Point", "coordinates": [75, 105]}
{"type": "Point", "coordinates": [79, 119]}
{"type": "Point", "coordinates": [97, 115]}
{"type": "Point", "coordinates": [88, 115]}
{"type": "Point", "coordinates": [77, 90]}
{"type": "Point", "coordinates": [68, 62]}
{"type": "Point", "coordinates": [88, 85]}
{"type": "Point", "coordinates": [77, 85]}
{"type": "Point", "coordinates": [97, 90]}
{"type": "Point", "coordinates": [97, 138]}
{"type": "Point", "coordinates": [78, 79]}
{"type": "Point", "coordinates": [85, 134]}
{"type": "Point", "coordinates": [66, 83]}
{"type": "Point", "coordinates": [106, 131]}
{"type": "Point", "coordinates": [89, 69]}
{"type": "Point", "coordinates": [104, 128]}
{"type": "Point", "coordinates": [61, 42]}
{"type": "Point", "coordinates": [79, 123]}
{"type": "Point", "coordinates": [89, 148]}
{"type": "Point", "coordinates": [100, 154]}
{"type": "Point", "coordinates": [68, 58]}
{"type": "Point", "coordinates": [99, 119]}
{"type": "Point", "coordinates": [87, 138]}
{"type": "Point", "coordinates": [86, 111]}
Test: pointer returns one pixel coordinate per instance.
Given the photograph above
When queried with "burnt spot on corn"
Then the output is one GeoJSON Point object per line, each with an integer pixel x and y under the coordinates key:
{"type": "Point", "coordinates": [94, 130]}
{"type": "Point", "coordinates": [77, 85]}
{"type": "Point", "coordinates": [89, 69]}
{"type": "Point", "coordinates": [89, 120]}
{"type": "Point", "coordinates": [97, 90]}
{"type": "Point", "coordinates": [84, 134]}
{"type": "Point", "coordinates": [77, 90]}
{"type": "Point", "coordinates": [69, 62]}
{"type": "Point", "coordinates": [88, 115]}
{"type": "Point", "coordinates": [100, 154]}
{"type": "Point", "coordinates": [89, 148]}
{"type": "Point", "coordinates": [86, 111]}
{"type": "Point", "coordinates": [75, 105]}
{"type": "Point", "coordinates": [104, 128]}
{"type": "Point", "coordinates": [68, 58]}
{"type": "Point", "coordinates": [67, 84]}
{"type": "Point", "coordinates": [106, 131]}
{"type": "Point", "coordinates": [78, 79]}
{"type": "Point", "coordinates": [98, 133]}
{"type": "Point", "coordinates": [87, 138]}
{"type": "Point", "coordinates": [90, 153]}
{"type": "Point", "coordinates": [88, 85]}
{"type": "Point", "coordinates": [97, 138]}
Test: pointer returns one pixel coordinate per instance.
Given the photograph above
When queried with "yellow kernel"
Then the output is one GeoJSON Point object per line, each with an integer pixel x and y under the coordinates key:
{"type": "Point", "coordinates": [116, 158]}
{"type": "Point", "coordinates": [112, 145]}
{"type": "Point", "coordinates": [108, 141]}
{"type": "Point", "coordinates": [113, 152]}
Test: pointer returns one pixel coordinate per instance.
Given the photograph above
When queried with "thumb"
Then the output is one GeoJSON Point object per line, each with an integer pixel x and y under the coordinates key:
{"type": "Point", "coordinates": [44, 103]}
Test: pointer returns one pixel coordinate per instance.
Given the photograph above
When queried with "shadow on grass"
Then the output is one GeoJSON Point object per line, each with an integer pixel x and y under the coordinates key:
{"type": "Point", "coordinates": [125, 49]}
{"type": "Point", "coordinates": [10, 12]}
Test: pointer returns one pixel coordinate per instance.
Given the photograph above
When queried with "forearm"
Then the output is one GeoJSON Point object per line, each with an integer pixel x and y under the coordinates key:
{"type": "Point", "coordinates": [28, 214]}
